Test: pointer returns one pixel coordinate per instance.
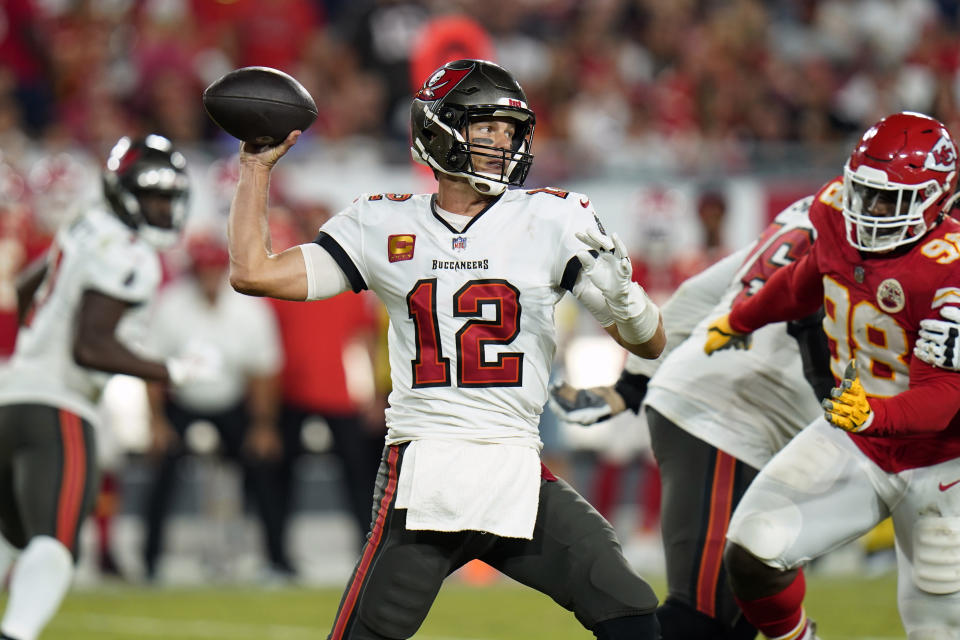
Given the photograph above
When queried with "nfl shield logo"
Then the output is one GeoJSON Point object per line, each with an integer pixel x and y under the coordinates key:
{"type": "Point", "coordinates": [459, 243]}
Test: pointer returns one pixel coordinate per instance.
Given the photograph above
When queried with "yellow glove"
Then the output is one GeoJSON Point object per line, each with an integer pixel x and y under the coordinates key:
{"type": "Point", "coordinates": [721, 336]}
{"type": "Point", "coordinates": [848, 408]}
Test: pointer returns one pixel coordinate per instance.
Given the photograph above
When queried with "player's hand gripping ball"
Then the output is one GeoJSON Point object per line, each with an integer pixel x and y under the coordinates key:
{"type": "Point", "coordinates": [259, 105]}
{"type": "Point", "coordinates": [847, 407]}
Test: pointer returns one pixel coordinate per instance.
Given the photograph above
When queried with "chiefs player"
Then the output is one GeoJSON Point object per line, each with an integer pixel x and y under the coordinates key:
{"type": "Point", "coordinates": [886, 259]}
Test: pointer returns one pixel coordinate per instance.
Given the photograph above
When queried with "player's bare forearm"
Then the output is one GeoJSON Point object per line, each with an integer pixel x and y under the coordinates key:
{"type": "Point", "coordinates": [649, 350]}
{"type": "Point", "coordinates": [254, 269]}
{"type": "Point", "coordinates": [96, 345]}
{"type": "Point", "coordinates": [248, 234]}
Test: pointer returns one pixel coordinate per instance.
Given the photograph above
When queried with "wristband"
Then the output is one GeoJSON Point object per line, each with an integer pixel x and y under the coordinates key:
{"type": "Point", "coordinates": [637, 317]}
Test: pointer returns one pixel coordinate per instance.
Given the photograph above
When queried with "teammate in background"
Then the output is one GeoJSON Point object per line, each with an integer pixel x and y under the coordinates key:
{"type": "Point", "coordinates": [885, 259]}
{"type": "Point", "coordinates": [709, 443]}
{"type": "Point", "coordinates": [99, 271]}
{"type": "Point", "coordinates": [470, 277]}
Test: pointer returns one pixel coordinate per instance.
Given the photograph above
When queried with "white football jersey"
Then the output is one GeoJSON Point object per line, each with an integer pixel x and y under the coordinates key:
{"type": "Point", "coordinates": [471, 312]}
{"type": "Point", "coordinates": [747, 403]}
{"type": "Point", "coordinates": [94, 252]}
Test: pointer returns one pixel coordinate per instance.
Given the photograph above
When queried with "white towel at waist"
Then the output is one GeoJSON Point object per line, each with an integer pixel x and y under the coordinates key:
{"type": "Point", "coordinates": [454, 485]}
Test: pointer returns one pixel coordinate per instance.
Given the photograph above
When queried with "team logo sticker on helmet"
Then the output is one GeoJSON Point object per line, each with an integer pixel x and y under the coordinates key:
{"type": "Point", "coordinates": [434, 89]}
{"type": "Point", "coordinates": [400, 247]}
{"type": "Point", "coordinates": [943, 156]}
{"type": "Point", "coordinates": [890, 296]}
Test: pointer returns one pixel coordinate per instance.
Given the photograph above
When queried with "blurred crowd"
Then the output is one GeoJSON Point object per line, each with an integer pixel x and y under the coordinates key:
{"type": "Point", "coordinates": [681, 85]}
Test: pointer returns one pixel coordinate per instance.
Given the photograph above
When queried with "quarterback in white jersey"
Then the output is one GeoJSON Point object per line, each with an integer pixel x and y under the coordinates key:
{"type": "Point", "coordinates": [470, 277]}
{"type": "Point", "coordinates": [99, 270]}
{"type": "Point", "coordinates": [713, 422]}
{"type": "Point", "coordinates": [469, 357]}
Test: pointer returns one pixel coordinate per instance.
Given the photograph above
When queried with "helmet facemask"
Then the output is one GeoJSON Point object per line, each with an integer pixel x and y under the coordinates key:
{"type": "Point", "coordinates": [460, 160]}
{"type": "Point", "coordinates": [882, 215]}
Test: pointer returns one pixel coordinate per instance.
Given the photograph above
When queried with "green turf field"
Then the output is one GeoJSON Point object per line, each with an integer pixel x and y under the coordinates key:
{"type": "Point", "coordinates": [846, 609]}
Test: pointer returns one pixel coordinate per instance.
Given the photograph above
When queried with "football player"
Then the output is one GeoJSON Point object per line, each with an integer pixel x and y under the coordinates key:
{"type": "Point", "coordinates": [470, 277]}
{"type": "Point", "coordinates": [708, 442]}
{"type": "Point", "coordinates": [886, 258]}
{"type": "Point", "coordinates": [100, 270]}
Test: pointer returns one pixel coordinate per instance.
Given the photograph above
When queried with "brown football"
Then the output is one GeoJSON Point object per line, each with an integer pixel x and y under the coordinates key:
{"type": "Point", "coordinates": [259, 105]}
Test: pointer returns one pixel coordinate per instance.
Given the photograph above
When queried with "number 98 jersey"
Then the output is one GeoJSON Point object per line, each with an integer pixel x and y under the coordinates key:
{"type": "Point", "coordinates": [471, 334]}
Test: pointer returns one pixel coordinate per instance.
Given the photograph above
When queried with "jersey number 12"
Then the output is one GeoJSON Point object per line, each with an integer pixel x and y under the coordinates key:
{"type": "Point", "coordinates": [432, 369]}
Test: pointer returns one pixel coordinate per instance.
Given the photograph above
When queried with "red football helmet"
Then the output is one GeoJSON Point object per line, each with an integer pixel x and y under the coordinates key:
{"type": "Point", "coordinates": [898, 181]}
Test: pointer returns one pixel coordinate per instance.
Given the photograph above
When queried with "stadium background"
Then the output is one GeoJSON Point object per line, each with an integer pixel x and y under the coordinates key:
{"type": "Point", "coordinates": [652, 107]}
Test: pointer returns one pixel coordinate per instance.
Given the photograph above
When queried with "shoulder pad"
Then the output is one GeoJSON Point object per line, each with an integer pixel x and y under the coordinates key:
{"type": "Point", "coordinates": [797, 214]}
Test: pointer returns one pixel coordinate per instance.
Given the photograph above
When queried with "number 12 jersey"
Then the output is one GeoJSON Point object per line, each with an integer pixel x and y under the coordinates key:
{"type": "Point", "coordinates": [471, 334]}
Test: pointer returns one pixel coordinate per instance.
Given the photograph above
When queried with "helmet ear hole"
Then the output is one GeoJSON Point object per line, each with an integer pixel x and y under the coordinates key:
{"type": "Point", "coordinates": [457, 160]}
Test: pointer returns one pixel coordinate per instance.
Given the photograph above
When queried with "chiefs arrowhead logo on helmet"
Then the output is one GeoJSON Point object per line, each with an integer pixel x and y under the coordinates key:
{"type": "Point", "coordinates": [943, 157]}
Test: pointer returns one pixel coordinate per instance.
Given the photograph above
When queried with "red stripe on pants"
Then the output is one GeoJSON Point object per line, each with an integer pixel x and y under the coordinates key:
{"type": "Point", "coordinates": [370, 549]}
{"type": "Point", "coordinates": [72, 478]}
{"type": "Point", "coordinates": [711, 558]}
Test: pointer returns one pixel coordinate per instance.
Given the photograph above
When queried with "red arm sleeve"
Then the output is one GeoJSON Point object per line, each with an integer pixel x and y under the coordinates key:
{"type": "Point", "coordinates": [792, 292]}
{"type": "Point", "coordinates": [930, 404]}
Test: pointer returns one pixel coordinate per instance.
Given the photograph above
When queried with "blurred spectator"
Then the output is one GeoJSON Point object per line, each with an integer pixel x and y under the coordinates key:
{"type": "Point", "coordinates": [61, 184]}
{"type": "Point", "coordinates": [383, 34]}
{"type": "Point", "coordinates": [711, 215]}
{"type": "Point", "coordinates": [199, 314]}
{"type": "Point", "coordinates": [22, 241]}
{"type": "Point", "coordinates": [23, 53]}
{"type": "Point", "coordinates": [328, 374]}
{"type": "Point", "coordinates": [682, 86]}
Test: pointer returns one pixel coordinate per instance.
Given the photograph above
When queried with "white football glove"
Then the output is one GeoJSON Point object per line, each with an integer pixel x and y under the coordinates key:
{"type": "Point", "coordinates": [937, 344]}
{"type": "Point", "coordinates": [636, 316]}
{"type": "Point", "coordinates": [197, 363]}
{"type": "Point", "coordinates": [584, 406]}
{"type": "Point", "coordinates": [611, 271]}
